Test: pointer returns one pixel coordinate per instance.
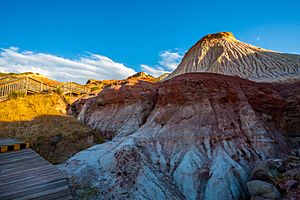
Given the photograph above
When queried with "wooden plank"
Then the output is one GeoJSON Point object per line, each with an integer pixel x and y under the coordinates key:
{"type": "Point", "coordinates": [20, 168]}
{"type": "Point", "coordinates": [13, 154]}
{"type": "Point", "coordinates": [20, 184]}
{"type": "Point", "coordinates": [18, 155]}
{"type": "Point", "coordinates": [26, 173]}
{"type": "Point", "coordinates": [41, 195]}
{"type": "Point", "coordinates": [24, 158]}
{"type": "Point", "coordinates": [23, 163]}
{"type": "Point", "coordinates": [33, 191]}
{"type": "Point", "coordinates": [16, 158]}
{"type": "Point", "coordinates": [7, 154]}
{"type": "Point", "coordinates": [31, 177]}
{"type": "Point", "coordinates": [62, 194]}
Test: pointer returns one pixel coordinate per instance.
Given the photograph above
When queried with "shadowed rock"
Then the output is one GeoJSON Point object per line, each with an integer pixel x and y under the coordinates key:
{"type": "Point", "coordinates": [263, 189]}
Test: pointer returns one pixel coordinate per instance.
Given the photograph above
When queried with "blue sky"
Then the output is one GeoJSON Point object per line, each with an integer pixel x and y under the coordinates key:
{"type": "Point", "coordinates": [133, 33]}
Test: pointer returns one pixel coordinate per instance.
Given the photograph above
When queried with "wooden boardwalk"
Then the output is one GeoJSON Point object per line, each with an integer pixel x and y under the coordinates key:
{"type": "Point", "coordinates": [24, 174]}
{"type": "Point", "coordinates": [31, 85]}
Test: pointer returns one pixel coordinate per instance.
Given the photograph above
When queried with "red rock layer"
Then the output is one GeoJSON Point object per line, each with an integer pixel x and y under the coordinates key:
{"type": "Point", "coordinates": [121, 108]}
{"type": "Point", "coordinates": [196, 136]}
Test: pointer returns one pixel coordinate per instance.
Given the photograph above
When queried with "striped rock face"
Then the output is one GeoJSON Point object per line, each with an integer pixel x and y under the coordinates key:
{"type": "Point", "coordinates": [222, 53]}
{"type": "Point", "coordinates": [199, 139]}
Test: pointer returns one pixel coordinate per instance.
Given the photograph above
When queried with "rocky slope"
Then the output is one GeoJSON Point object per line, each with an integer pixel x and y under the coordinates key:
{"type": "Point", "coordinates": [222, 53]}
{"type": "Point", "coordinates": [196, 136]}
{"type": "Point", "coordinates": [108, 95]}
{"type": "Point", "coordinates": [120, 109]}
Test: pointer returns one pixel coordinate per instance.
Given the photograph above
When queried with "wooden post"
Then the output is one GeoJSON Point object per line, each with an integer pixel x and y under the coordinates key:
{"type": "Point", "coordinates": [2, 91]}
{"type": "Point", "coordinates": [70, 89]}
{"type": "Point", "coordinates": [26, 86]}
{"type": "Point", "coordinates": [41, 86]}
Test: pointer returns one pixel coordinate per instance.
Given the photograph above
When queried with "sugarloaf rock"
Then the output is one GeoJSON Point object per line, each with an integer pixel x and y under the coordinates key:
{"type": "Point", "coordinates": [222, 53]}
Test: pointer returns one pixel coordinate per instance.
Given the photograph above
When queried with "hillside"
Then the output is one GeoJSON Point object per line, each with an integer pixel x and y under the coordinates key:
{"type": "Point", "coordinates": [222, 53]}
{"type": "Point", "coordinates": [196, 136]}
{"type": "Point", "coordinates": [36, 76]}
{"type": "Point", "coordinates": [204, 132]}
{"type": "Point", "coordinates": [41, 120]}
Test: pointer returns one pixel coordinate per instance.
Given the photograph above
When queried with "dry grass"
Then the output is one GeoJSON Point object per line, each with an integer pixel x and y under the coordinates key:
{"type": "Point", "coordinates": [40, 120]}
{"type": "Point", "coordinates": [30, 107]}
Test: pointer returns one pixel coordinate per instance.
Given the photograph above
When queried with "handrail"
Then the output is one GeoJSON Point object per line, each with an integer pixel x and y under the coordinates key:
{"type": "Point", "coordinates": [11, 81]}
{"type": "Point", "coordinates": [31, 85]}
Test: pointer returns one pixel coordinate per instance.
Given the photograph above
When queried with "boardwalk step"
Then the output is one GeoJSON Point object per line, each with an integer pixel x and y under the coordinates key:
{"type": "Point", "coordinates": [24, 174]}
{"type": "Point", "coordinates": [12, 193]}
{"type": "Point", "coordinates": [12, 154]}
{"type": "Point", "coordinates": [47, 194]}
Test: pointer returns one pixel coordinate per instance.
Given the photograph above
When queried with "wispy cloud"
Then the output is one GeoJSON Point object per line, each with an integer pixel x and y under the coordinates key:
{"type": "Point", "coordinates": [89, 66]}
{"type": "Point", "coordinates": [153, 71]}
{"type": "Point", "coordinates": [168, 62]}
{"type": "Point", "coordinates": [170, 59]}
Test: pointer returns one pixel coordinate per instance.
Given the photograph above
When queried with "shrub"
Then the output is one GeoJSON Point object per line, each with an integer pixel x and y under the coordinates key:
{"type": "Point", "coordinates": [16, 94]}
{"type": "Point", "coordinates": [95, 88]}
{"type": "Point", "coordinates": [58, 91]}
{"type": "Point", "coordinates": [98, 139]}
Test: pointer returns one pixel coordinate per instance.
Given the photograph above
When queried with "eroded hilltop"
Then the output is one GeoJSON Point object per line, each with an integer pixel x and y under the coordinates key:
{"type": "Point", "coordinates": [222, 53]}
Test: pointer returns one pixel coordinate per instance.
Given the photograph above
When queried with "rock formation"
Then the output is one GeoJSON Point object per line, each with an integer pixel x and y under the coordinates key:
{"type": "Point", "coordinates": [196, 136]}
{"type": "Point", "coordinates": [108, 85]}
{"type": "Point", "coordinates": [162, 77]}
{"type": "Point", "coordinates": [119, 109]}
{"type": "Point", "coordinates": [222, 53]}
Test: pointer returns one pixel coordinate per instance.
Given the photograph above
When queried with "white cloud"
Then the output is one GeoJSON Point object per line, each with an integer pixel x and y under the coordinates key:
{"type": "Point", "coordinates": [168, 62]}
{"type": "Point", "coordinates": [170, 59]}
{"type": "Point", "coordinates": [257, 38]}
{"type": "Point", "coordinates": [90, 66]}
{"type": "Point", "coordinates": [153, 71]}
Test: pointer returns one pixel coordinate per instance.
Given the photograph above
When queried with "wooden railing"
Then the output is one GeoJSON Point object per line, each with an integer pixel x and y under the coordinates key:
{"type": "Point", "coordinates": [31, 85]}
{"type": "Point", "coordinates": [6, 88]}
{"type": "Point", "coordinates": [74, 87]}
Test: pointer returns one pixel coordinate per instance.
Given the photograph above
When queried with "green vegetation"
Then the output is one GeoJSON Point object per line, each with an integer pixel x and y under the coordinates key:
{"type": "Point", "coordinates": [95, 88]}
{"type": "Point", "coordinates": [13, 74]}
{"type": "Point", "coordinates": [16, 94]}
{"type": "Point", "coordinates": [7, 74]}
{"type": "Point", "coordinates": [58, 91]}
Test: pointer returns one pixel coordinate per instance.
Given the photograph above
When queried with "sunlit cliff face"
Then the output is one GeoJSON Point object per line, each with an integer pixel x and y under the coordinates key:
{"type": "Point", "coordinates": [222, 53]}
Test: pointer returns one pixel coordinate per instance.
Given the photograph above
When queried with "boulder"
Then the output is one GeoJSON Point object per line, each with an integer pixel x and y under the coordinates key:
{"type": "Point", "coordinates": [258, 188]}
{"type": "Point", "coordinates": [291, 184]}
{"type": "Point", "coordinates": [267, 170]}
{"type": "Point", "coordinates": [293, 173]}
